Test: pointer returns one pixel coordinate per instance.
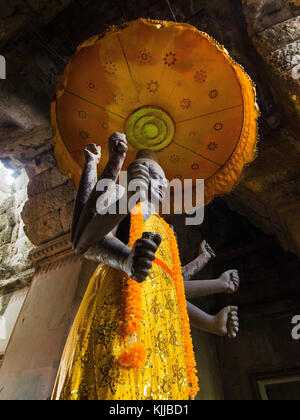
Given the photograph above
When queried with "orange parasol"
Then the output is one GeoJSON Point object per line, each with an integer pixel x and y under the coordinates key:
{"type": "Point", "coordinates": [171, 89]}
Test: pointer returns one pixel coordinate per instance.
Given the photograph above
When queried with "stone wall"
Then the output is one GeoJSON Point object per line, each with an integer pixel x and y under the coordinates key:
{"type": "Point", "coordinates": [269, 193]}
{"type": "Point", "coordinates": [10, 307]}
{"type": "Point", "coordinates": [47, 213]}
{"type": "Point", "coordinates": [38, 209]}
{"type": "Point", "coordinates": [268, 299]}
{"type": "Point", "coordinates": [16, 268]}
{"type": "Point", "coordinates": [274, 28]}
{"type": "Point", "coordinates": [14, 245]}
{"type": "Point", "coordinates": [18, 16]}
{"type": "Point", "coordinates": [32, 358]}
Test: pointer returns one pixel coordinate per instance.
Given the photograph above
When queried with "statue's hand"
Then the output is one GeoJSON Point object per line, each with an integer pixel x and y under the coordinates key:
{"type": "Point", "coordinates": [142, 256]}
{"type": "Point", "coordinates": [92, 153]}
{"type": "Point", "coordinates": [117, 145]}
{"type": "Point", "coordinates": [206, 251]}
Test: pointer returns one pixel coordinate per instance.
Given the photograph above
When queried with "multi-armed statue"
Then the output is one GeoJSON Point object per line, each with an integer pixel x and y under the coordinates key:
{"type": "Point", "coordinates": [131, 337]}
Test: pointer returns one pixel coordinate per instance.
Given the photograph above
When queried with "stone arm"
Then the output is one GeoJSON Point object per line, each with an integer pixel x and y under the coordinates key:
{"type": "Point", "coordinates": [135, 262]}
{"type": "Point", "coordinates": [84, 225]}
{"type": "Point", "coordinates": [101, 225]}
{"type": "Point", "coordinates": [199, 288]}
{"type": "Point", "coordinates": [88, 181]}
{"type": "Point", "coordinates": [194, 267]}
{"type": "Point", "coordinates": [99, 244]}
{"type": "Point", "coordinates": [227, 283]}
{"type": "Point", "coordinates": [201, 320]}
{"type": "Point", "coordinates": [224, 324]}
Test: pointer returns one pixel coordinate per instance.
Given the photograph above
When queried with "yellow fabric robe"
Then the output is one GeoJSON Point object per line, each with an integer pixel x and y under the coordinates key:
{"type": "Point", "coordinates": [89, 368]}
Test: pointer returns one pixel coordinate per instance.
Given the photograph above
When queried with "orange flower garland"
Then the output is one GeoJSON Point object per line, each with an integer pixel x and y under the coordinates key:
{"type": "Point", "coordinates": [179, 285]}
{"type": "Point", "coordinates": [132, 308]}
{"type": "Point", "coordinates": [135, 355]}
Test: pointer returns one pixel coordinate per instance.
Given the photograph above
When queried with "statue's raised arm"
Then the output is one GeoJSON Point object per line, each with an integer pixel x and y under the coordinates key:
{"type": "Point", "coordinates": [87, 196]}
{"type": "Point", "coordinates": [93, 231]}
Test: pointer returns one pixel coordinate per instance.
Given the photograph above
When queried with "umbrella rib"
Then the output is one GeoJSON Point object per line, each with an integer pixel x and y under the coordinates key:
{"type": "Point", "coordinates": [128, 66]}
{"type": "Point", "coordinates": [210, 113]}
{"type": "Point", "coordinates": [198, 154]}
{"type": "Point", "coordinates": [92, 103]}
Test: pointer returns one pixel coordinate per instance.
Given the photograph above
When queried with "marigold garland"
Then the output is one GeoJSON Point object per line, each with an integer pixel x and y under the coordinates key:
{"type": "Point", "coordinates": [179, 285]}
{"type": "Point", "coordinates": [132, 357]}
{"type": "Point", "coordinates": [132, 308]}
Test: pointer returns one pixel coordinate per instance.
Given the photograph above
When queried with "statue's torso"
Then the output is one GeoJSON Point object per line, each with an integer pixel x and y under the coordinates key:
{"type": "Point", "coordinates": [92, 371]}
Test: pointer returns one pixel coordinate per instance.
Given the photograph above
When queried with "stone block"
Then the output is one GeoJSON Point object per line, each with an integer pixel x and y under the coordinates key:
{"type": "Point", "coordinates": [40, 163]}
{"type": "Point", "coordinates": [6, 236]}
{"type": "Point", "coordinates": [46, 8]}
{"type": "Point", "coordinates": [48, 202]}
{"type": "Point", "coordinates": [66, 215]}
{"type": "Point", "coordinates": [9, 203]}
{"type": "Point", "coordinates": [278, 36]}
{"type": "Point", "coordinates": [262, 14]}
{"type": "Point", "coordinates": [45, 181]}
{"type": "Point", "coordinates": [45, 228]}
{"type": "Point", "coordinates": [274, 27]}
{"type": "Point", "coordinates": [3, 222]}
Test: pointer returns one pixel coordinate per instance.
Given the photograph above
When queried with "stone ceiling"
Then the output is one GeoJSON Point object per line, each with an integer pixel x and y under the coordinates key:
{"type": "Point", "coordinates": [38, 39]}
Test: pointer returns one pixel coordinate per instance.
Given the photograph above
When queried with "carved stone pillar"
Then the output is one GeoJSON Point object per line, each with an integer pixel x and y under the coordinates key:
{"type": "Point", "coordinates": [33, 354]}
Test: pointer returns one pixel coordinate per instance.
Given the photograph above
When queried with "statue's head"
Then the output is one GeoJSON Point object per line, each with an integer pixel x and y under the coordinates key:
{"type": "Point", "coordinates": [158, 180]}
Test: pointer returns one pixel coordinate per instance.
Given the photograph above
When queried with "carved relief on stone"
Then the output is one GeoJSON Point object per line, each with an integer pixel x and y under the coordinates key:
{"type": "Point", "coordinates": [274, 27]}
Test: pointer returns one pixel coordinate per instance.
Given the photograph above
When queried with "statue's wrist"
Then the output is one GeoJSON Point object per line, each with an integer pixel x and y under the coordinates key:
{"type": "Point", "coordinates": [116, 156]}
{"type": "Point", "coordinates": [203, 259]}
{"type": "Point", "coordinates": [125, 264]}
{"type": "Point", "coordinates": [206, 258]}
{"type": "Point", "coordinates": [91, 160]}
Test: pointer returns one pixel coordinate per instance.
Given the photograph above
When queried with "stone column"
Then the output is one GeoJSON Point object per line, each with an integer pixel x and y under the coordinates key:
{"type": "Point", "coordinates": [33, 354]}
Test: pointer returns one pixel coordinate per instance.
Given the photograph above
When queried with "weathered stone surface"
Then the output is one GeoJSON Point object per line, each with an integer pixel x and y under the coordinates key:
{"type": "Point", "coordinates": [10, 306]}
{"type": "Point", "coordinates": [270, 189]}
{"type": "Point", "coordinates": [280, 46]}
{"type": "Point", "coordinates": [66, 214]}
{"type": "Point", "coordinates": [6, 237]}
{"type": "Point", "coordinates": [43, 325]}
{"type": "Point", "coordinates": [47, 202]}
{"type": "Point", "coordinates": [45, 181]}
{"type": "Point", "coordinates": [49, 191]}
{"type": "Point", "coordinates": [40, 163]}
{"type": "Point", "coordinates": [17, 16]}
{"type": "Point", "coordinates": [17, 110]}
{"type": "Point", "coordinates": [269, 192]}
{"type": "Point", "coordinates": [274, 27]}
{"type": "Point", "coordinates": [25, 145]}
{"type": "Point", "coordinates": [46, 8]}
{"type": "Point", "coordinates": [262, 14]}
{"type": "Point", "coordinates": [45, 228]}
{"type": "Point", "coordinates": [278, 36]}
{"type": "Point", "coordinates": [14, 245]}
{"type": "Point", "coordinates": [48, 212]}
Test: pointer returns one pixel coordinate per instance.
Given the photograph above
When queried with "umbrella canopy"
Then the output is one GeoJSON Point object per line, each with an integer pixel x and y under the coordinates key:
{"type": "Point", "coordinates": [170, 88]}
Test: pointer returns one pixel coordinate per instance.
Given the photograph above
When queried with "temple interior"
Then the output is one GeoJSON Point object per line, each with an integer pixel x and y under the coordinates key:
{"type": "Point", "coordinates": [255, 229]}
